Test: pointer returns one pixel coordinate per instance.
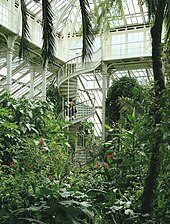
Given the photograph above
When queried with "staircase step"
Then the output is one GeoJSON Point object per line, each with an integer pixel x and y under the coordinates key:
{"type": "Point", "coordinates": [71, 94]}
{"type": "Point", "coordinates": [69, 73]}
{"type": "Point", "coordinates": [66, 90]}
{"type": "Point", "coordinates": [81, 155]}
{"type": "Point", "coordinates": [66, 86]}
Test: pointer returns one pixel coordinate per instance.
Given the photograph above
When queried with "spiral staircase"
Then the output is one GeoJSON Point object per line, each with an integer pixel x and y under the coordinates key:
{"type": "Point", "coordinates": [67, 79]}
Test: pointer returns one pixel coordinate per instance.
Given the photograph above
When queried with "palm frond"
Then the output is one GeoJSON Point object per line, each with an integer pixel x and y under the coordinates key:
{"type": "Point", "coordinates": [88, 36]}
{"type": "Point", "coordinates": [25, 31]}
{"type": "Point", "coordinates": [152, 8]}
{"type": "Point", "coordinates": [48, 35]}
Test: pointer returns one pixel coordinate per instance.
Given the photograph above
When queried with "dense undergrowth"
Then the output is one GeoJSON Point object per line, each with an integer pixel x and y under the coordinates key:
{"type": "Point", "coordinates": [41, 183]}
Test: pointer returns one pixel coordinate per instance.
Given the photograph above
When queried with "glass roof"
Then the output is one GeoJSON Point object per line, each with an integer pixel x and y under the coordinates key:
{"type": "Point", "coordinates": [68, 16]}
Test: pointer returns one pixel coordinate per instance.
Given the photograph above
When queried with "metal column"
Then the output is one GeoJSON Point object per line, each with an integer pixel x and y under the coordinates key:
{"type": "Point", "coordinates": [10, 43]}
{"type": "Point", "coordinates": [32, 76]}
{"type": "Point", "coordinates": [104, 90]}
{"type": "Point", "coordinates": [43, 97]}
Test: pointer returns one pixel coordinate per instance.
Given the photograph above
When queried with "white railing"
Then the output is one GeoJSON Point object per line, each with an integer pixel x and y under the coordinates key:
{"type": "Point", "coordinates": [84, 110]}
{"type": "Point", "coordinates": [71, 69]}
{"type": "Point", "coordinates": [127, 50]}
{"type": "Point", "coordinates": [76, 66]}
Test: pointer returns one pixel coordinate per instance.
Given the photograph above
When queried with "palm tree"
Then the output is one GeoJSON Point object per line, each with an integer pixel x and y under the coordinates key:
{"type": "Point", "coordinates": [159, 14]}
{"type": "Point", "coordinates": [48, 32]}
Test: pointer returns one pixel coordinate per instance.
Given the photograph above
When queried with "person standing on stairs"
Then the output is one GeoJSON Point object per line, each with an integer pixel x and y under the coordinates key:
{"type": "Point", "coordinates": [71, 108]}
{"type": "Point", "coordinates": [74, 109]}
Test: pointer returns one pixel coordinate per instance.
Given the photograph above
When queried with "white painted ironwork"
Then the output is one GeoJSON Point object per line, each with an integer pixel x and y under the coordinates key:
{"type": "Point", "coordinates": [76, 67]}
{"type": "Point", "coordinates": [70, 71]}
{"type": "Point", "coordinates": [84, 110]}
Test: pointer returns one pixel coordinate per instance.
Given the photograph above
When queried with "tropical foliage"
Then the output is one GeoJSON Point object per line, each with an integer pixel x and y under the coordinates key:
{"type": "Point", "coordinates": [159, 14]}
{"type": "Point", "coordinates": [139, 133]}
{"type": "Point", "coordinates": [121, 88]}
{"type": "Point", "coordinates": [104, 14]}
{"type": "Point", "coordinates": [166, 59]}
{"type": "Point", "coordinates": [34, 165]}
{"type": "Point", "coordinates": [54, 98]}
{"type": "Point", "coordinates": [126, 182]}
{"type": "Point", "coordinates": [43, 184]}
{"type": "Point", "coordinates": [159, 17]}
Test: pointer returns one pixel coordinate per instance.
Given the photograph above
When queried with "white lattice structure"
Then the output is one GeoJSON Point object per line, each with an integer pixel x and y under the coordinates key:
{"type": "Point", "coordinates": [125, 50]}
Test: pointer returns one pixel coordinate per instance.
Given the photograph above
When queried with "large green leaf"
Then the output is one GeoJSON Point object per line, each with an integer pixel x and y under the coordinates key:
{"type": "Point", "coordinates": [33, 220]}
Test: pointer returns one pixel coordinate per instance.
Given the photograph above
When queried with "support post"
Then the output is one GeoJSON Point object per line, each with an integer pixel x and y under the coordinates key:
{"type": "Point", "coordinates": [104, 90]}
{"type": "Point", "coordinates": [68, 99]}
{"type": "Point", "coordinates": [63, 108]}
{"type": "Point", "coordinates": [44, 71]}
{"type": "Point", "coordinates": [32, 77]}
{"type": "Point", "coordinates": [10, 44]}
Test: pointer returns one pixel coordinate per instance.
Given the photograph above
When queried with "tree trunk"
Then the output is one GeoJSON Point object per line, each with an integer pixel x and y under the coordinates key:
{"type": "Point", "coordinates": [149, 194]}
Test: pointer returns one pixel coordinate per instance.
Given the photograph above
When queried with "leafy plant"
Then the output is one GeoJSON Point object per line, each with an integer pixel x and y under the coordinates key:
{"type": "Point", "coordinates": [54, 98]}
{"type": "Point", "coordinates": [38, 158]}
{"type": "Point", "coordinates": [124, 87]}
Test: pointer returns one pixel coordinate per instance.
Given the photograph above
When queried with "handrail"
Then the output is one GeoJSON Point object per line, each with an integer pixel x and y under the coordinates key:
{"type": "Point", "coordinates": [75, 66]}
{"type": "Point", "coordinates": [81, 91]}
{"type": "Point", "coordinates": [84, 109]}
{"type": "Point", "coordinates": [72, 68]}
{"type": "Point", "coordinates": [80, 56]}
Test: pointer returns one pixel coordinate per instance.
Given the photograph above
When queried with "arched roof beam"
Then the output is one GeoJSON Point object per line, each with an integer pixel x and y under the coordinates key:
{"type": "Point", "coordinates": [63, 13]}
{"type": "Point", "coordinates": [18, 68]}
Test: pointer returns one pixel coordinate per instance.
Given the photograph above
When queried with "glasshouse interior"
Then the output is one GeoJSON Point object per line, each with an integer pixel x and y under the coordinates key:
{"type": "Point", "coordinates": [84, 111]}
